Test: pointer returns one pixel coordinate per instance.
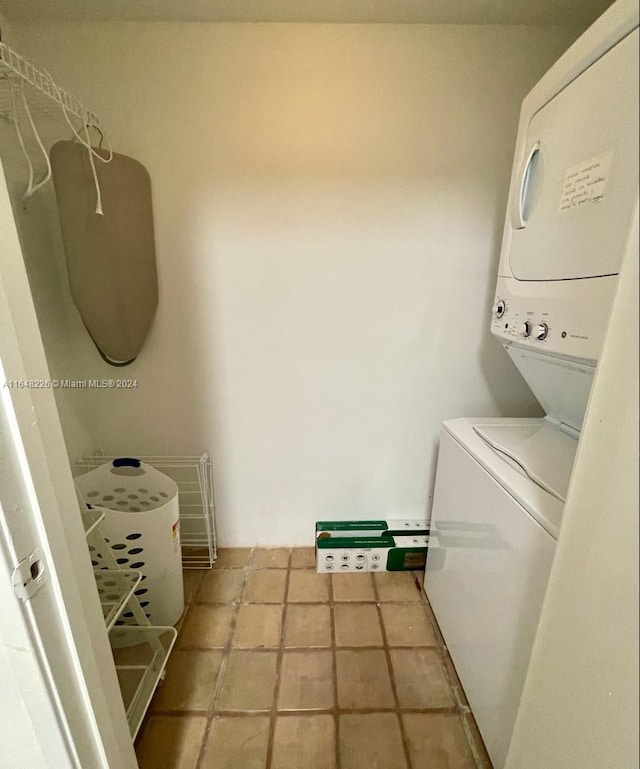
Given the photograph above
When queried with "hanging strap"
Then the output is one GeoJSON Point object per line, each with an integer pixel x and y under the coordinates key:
{"type": "Point", "coordinates": [16, 122]}
{"type": "Point", "coordinates": [92, 154]}
{"type": "Point", "coordinates": [86, 123]}
{"type": "Point", "coordinates": [33, 188]}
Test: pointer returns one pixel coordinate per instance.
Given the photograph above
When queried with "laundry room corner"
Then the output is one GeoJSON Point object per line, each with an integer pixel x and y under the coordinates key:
{"type": "Point", "coordinates": [319, 261]}
{"type": "Point", "coordinates": [319, 395]}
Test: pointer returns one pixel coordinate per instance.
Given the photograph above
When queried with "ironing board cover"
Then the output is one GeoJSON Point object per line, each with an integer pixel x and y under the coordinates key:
{"type": "Point", "coordinates": [111, 258]}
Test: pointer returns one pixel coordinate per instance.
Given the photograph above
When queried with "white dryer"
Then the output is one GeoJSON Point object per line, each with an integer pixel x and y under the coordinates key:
{"type": "Point", "coordinates": [501, 483]}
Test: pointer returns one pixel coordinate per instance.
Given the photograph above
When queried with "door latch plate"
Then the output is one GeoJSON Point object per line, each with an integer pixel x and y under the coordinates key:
{"type": "Point", "coordinates": [29, 575]}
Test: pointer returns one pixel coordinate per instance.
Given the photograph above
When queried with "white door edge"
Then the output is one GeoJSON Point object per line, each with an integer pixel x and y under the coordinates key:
{"type": "Point", "coordinates": [64, 617]}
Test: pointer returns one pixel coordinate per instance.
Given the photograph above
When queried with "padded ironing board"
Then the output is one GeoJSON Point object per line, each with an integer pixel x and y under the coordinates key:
{"type": "Point", "coordinates": [110, 258]}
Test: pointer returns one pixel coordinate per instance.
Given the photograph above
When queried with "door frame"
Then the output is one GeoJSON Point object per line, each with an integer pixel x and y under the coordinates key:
{"type": "Point", "coordinates": [65, 616]}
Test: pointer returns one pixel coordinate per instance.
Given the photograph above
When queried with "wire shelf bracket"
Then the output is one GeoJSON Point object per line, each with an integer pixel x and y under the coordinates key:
{"type": "Point", "coordinates": [15, 66]}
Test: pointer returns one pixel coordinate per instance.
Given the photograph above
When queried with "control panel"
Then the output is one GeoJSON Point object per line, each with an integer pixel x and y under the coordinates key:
{"type": "Point", "coordinates": [353, 560]}
{"type": "Point", "coordinates": [388, 553]}
{"type": "Point", "coordinates": [567, 317]}
{"type": "Point", "coordinates": [521, 322]}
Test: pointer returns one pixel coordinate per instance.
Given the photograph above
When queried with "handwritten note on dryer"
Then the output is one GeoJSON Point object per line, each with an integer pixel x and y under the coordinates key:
{"type": "Point", "coordinates": [584, 184]}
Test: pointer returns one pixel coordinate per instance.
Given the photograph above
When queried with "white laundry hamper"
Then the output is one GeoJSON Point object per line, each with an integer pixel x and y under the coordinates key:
{"type": "Point", "coordinates": [142, 528]}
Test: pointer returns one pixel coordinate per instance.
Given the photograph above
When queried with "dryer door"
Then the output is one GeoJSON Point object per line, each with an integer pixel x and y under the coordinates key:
{"type": "Point", "coordinates": [574, 201]}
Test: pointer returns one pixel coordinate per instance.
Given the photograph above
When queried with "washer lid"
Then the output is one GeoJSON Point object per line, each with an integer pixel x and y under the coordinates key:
{"type": "Point", "coordinates": [562, 386]}
{"type": "Point", "coordinates": [545, 508]}
{"type": "Point", "coordinates": [544, 452]}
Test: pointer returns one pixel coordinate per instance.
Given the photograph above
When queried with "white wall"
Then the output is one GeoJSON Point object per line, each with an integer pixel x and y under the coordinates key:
{"type": "Point", "coordinates": [40, 509]}
{"type": "Point", "coordinates": [584, 666]}
{"type": "Point", "coordinates": [329, 202]}
{"type": "Point", "coordinates": [70, 352]}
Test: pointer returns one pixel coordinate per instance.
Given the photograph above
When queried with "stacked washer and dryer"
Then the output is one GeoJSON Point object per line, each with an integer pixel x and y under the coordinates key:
{"type": "Point", "coordinates": [501, 483]}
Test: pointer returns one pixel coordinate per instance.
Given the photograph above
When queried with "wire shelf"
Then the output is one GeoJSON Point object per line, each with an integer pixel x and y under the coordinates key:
{"type": "Point", "coordinates": [91, 519]}
{"type": "Point", "coordinates": [115, 588]}
{"type": "Point", "coordinates": [194, 478]}
{"type": "Point", "coordinates": [14, 66]}
{"type": "Point", "coordinates": [140, 655]}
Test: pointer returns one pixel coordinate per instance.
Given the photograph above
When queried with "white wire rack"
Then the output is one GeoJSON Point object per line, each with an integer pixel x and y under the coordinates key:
{"type": "Point", "coordinates": [35, 136]}
{"type": "Point", "coordinates": [140, 655]}
{"type": "Point", "coordinates": [194, 477]}
{"type": "Point", "coordinates": [14, 66]}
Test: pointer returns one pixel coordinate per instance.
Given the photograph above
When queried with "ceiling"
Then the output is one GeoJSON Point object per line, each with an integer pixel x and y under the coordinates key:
{"type": "Point", "coordinates": [578, 13]}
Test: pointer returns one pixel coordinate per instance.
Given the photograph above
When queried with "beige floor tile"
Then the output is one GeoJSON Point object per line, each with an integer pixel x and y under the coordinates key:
{"type": "Point", "coordinates": [371, 741]}
{"type": "Point", "coordinates": [232, 557]}
{"type": "Point", "coordinates": [353, 587]}
{"type": "Point", "coordinates": [304, 742]}
{"type": "Point", "coordinates": [206, 627]}
{"type": "Point", "coordinates": [397, 586]}
{"type": "Point", "coordinates": [303, 558]}
{"type": "Point", "coordinates": [265, 586]}
{"type": "Point", "coordinates": [420, 679]}
{"type": "Point", "coordinates": [191, 680]}
{"type": "Point", "coordinates": [306, 586]}
{"type": "Point", "coordinates": [249, 681]}
{"type": "Point", "coordinates": [258, 626]}
{"type": "Point", "coordinates": [407, 625]}
{"type": "Point", "coordinates": [306, 681]}
{"type": "Point", "coordinates": [270, 558]}
{"type": "Point", "coordinates": [191, 579]}
{"type": "Point", "coordinates": [363, 679]}
{"type": "Point", "coordinates": [171, 742]}
{"type": "Point", "coordinates": [307, 625]}
{"type": "Point", "coordinates": [437, 741]}
{"type": "Point", "coordinates": [236, 743]}
{"type": "Point", "coordinates": [357, 624]}
{"type": "Point", "coordinates": [221, 586]}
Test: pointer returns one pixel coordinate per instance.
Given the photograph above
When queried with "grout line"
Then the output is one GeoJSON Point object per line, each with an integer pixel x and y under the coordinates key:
{"type": "Point", "coordinates": [446, 662]}
{"type": "Point", "coordinates": [302, 649]}
{"type": "Point", "coordinates": [392, 678]}
{"type": "Point", "coordinates": [310, 603]}
{"type": "Point", "coordinates": [446, 711]}
{"type": "Point", "coordinates": [280, 653]}
{"type": "Point", "coordinates": [454, 682]}
{"type": "Point", "coordinates": [189, 603]}
{"type": "Point", "coordinates": [334, 673]}
{"type": "Point", "coordinates": [417, 602]}
{"type": "Point", "coordinates": [205, 739]}
{"type": "Point", "coordinates": [477, 752]}
{"type": "Point", "coordinates": [226, 651]}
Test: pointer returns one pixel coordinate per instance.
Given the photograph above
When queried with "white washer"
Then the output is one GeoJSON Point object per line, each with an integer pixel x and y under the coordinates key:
{"type": "Point", "coordinates": [492, 545]}
{"type": "Point", "coordinates": [501, 483]}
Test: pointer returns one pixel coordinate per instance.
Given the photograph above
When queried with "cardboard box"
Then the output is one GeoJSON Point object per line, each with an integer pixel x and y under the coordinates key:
{"type": "Point", "coordinates": [401, 527]}
{"type": "Point", "coordinates": [381, 545]}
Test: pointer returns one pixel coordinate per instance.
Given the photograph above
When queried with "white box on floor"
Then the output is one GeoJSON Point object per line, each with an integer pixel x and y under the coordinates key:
{"type": "Point", "coordinates": [364, 546]}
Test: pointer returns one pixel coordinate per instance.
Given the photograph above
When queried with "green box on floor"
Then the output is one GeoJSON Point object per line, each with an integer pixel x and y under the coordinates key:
{"type": "Point", "coordinates": [379, 545]}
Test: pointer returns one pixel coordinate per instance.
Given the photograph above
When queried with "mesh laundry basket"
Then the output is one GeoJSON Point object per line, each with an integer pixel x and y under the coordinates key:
{"type": "Point", "coordinates": [142, 527]}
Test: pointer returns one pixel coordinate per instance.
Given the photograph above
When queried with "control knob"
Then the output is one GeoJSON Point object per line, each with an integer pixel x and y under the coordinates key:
{"type": "Point", "coordinates": [500, 308]}
{"type": "Point", "coordinates": [525, 328]}
{"type": "Point", "coordinates": [542, 331]}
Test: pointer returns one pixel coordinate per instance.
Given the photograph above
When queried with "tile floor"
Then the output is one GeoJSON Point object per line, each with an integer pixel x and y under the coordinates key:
{"type": "Point", "coordinates": [277, 667]}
